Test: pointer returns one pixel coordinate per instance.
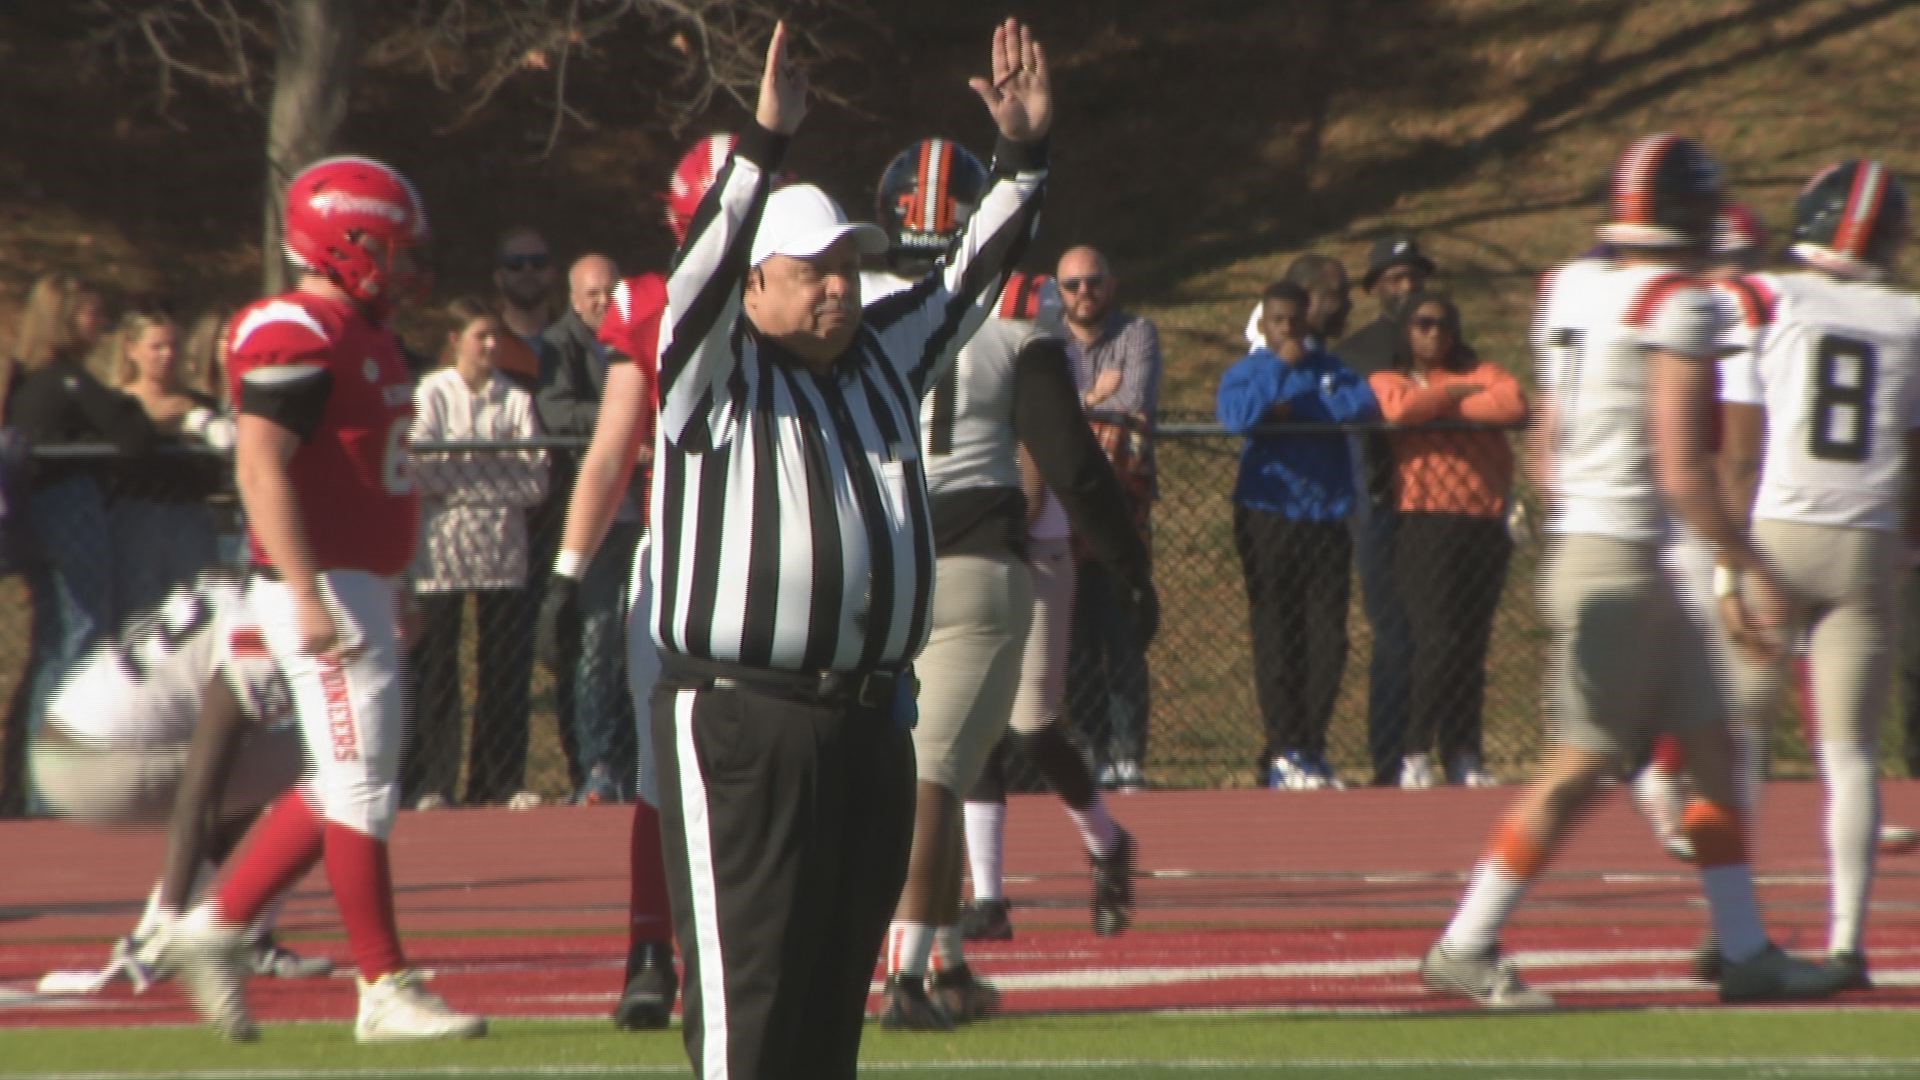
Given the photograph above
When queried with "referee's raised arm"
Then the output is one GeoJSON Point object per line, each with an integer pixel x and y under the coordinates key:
{"type": "Point", "coordinates": [703, 292]}
{"type": "Point", "coordinates": [923, 328]}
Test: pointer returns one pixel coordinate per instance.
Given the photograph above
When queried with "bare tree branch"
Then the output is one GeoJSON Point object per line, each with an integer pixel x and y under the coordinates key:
{"type": "Point", "coordinates": [545, 50]}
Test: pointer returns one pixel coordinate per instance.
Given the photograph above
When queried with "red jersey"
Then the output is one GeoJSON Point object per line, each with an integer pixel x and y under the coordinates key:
{"type": "Point", "coordinates": [631, 328]}
{"type": "Point", "coordinates": [320, 369]}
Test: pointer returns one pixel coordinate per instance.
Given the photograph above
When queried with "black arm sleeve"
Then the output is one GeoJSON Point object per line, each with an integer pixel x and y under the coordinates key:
{"type": "Point", "coordinates": [297, 403]}
{"type": "Point", "coordinates": [1048, 422]}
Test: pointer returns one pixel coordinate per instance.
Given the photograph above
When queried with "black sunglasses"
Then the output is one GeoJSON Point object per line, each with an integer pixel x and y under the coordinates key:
{"type": "Point", "coordinates": [1075, 284]}
{"type": "Point", "coordinates": [1430, 322]}
{"type": "Point", "coordinates": [537, 261]}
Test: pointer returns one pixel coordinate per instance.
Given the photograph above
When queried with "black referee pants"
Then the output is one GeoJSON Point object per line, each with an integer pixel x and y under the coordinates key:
{"type": "Point", "coordinates": [786, 827]}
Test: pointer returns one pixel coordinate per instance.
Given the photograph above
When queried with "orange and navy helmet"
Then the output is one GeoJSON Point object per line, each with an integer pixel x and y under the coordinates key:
{"type": "Point", "coordinates": [926, 196]}
{"type": "Point", "coordinates": [1851, 219]}
{"type": "Point", "coordinates": [691, 179]}
{"type": "Point", "coordinates": [1666, 193]}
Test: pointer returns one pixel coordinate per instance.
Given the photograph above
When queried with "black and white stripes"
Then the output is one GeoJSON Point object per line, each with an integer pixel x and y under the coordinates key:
{"type": "Point", "coordinates": [790, 510]}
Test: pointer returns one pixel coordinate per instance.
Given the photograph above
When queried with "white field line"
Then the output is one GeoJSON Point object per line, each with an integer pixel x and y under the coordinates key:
{"type": "Point", "coordinates": [1739, 1066]}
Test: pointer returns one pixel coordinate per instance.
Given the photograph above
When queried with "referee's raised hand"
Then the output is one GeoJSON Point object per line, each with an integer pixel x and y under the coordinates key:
{"type": "Point", "coordinates": [1020, 92]}
{"type": "Point", "coordinates": [783, 88]}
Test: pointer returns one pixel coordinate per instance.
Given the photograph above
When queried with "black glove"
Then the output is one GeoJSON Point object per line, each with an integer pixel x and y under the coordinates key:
{"type": "Point", "coordinates": [556, 634]}
{"type": "Point", "coordinates": [1145, 603]}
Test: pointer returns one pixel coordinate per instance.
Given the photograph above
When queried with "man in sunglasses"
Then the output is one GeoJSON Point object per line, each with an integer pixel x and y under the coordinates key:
{"type": "Point", "coordinates": [523, 275]}
{"type": "Point", "coordinates": [1116, 362]}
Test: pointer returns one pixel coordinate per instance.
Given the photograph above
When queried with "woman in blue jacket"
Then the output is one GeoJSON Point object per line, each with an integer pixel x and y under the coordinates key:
{"type": "Point", "coordinates": [1289, 523]}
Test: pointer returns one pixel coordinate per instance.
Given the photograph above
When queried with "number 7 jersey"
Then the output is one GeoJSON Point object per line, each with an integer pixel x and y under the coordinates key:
{"type": "Point", "coordinates": [1838, 374]}
{"type": "Point", "coordinates": [1596, 323]}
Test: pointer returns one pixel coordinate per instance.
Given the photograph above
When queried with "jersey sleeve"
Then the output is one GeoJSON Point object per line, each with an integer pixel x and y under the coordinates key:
{"type": "Point", "coordinates": [1681, 318]}
{"type": "Point", "coordinates": [280, 364]}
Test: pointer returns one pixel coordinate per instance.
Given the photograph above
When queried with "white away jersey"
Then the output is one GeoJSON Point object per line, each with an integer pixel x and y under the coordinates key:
{"type": "Point", "coordinates": [966, 418]}
{"type": "Point", "coordinates": [1595, 325]}
{"type": "Point", "coordinates": [144, 689]}
{"type": "Point", "coordinates": [1839, 377]}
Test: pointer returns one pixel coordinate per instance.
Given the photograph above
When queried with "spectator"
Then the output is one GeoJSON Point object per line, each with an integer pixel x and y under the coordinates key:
{"type": "Point", "coordinates": [1116, 364]}
{"type": "Point", "coordinates": [160, 515]}
{"type": "Point", "coordinates": [601, 711]}
{"type": "Point", "coordinates": [50, 399]}
{"type": "Point", "coordinates": [1292, 497]}
{"type": "Point", "coordinates": [473, 542]}
{"type": "Point", "coordinates": [1396, 268]}
{"type": "Point", "coordinates": [524, 279]}
{"type": "Point", "coordinates": [203, 346]}
{"type": "Point", "coordinates": [1451, 560]}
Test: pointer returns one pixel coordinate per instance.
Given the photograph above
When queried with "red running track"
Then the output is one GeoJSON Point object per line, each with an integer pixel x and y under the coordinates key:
{"type": "Point", "coordinates": [1256, 899]}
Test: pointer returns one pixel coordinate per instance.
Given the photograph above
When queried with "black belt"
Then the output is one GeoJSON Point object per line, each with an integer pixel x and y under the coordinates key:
{"type": "Point", "coordinates": [868, 689]}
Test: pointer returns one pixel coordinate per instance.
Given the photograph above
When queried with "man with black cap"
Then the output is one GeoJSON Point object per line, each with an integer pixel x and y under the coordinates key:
{"type": "Point", "coordinates": [1396, 269]}
{"type": "Point", "coordinates": [793, 569]}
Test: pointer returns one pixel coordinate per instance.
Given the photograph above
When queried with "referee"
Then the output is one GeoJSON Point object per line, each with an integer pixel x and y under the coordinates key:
{"type": "Point", "coordinates": [793, 565]}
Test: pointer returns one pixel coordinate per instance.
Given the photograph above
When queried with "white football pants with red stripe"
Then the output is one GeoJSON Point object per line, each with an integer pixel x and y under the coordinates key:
{"type": "Point", "coordinates": [351, 711]}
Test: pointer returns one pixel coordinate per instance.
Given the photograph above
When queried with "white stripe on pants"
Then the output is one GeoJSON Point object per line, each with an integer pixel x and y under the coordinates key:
{"type": "Point", "coordinates": [643, 670]}
{"type": "Point", "coordinates": [706, 900]}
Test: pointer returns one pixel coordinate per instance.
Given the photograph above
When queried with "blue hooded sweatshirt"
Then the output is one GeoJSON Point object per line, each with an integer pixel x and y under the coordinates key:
{"type": "Point", "coordinates": [1306, 477]}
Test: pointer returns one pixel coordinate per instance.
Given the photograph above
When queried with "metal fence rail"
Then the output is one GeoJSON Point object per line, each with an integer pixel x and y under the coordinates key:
{"type": "Point", "coordinates": [490, 723]}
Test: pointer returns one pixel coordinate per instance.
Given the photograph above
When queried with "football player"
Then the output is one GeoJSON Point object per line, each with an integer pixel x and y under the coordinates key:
{"type": "Point", "coordinates": [1625, 348]}
{"type": "Point", "coordinates": [326, 407]}
{"type": "Point", "coordinates": [623, 442]}
{"type": "Point", "coordinates": [182, 719]}
{"type": "Point", "coordinates": [1010, 388]}
{"type": "Point", "coordinates": [1821, 424]}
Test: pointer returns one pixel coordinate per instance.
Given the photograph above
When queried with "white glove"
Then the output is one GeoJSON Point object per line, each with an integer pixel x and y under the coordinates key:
{"type": "Point", "coordinates": [211, 428]}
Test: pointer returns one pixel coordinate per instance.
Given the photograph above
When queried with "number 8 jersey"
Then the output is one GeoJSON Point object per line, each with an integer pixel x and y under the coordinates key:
{"type": "Point", "coordinates": [1838, 374]}
{"type": "Point", "coordinates": [318, 368]}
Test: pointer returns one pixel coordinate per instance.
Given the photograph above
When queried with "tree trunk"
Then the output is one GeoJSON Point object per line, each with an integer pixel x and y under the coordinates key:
{"type": "Point", "coordinates": [312, 80]}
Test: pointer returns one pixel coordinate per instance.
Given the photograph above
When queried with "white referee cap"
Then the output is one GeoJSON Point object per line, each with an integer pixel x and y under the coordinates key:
{"type": "Point", "coordinates": [802, 221]}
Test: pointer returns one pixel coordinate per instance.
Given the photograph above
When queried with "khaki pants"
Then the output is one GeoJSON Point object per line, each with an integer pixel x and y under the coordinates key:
{"type": "Point", "coordinates": [1043, 668]}
{"type": "Point", "coordinates": [1847, 627]}
{"type": "Point", "coordinates": [1625, 662]}
{"type": "Point", "coordinates": [971, 667]}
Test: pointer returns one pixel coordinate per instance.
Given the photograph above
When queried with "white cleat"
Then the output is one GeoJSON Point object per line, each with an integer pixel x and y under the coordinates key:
{"type": "Point", "coordinates": [210, 962]}
{"type": "Point", "coordinates": [1488, 980]}
{"type": "Point", "coordinates": [1417, 772]}
{"type": "Point", "coordinates": [398, 1008]}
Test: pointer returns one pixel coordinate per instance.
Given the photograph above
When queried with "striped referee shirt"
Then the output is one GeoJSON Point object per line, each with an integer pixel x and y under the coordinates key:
{"type": "Point", "coordinates": [790, 517]}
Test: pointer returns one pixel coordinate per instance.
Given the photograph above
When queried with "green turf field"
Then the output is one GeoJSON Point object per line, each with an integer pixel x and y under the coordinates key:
{"type": "Point", "coordinates": [1598, 1045]}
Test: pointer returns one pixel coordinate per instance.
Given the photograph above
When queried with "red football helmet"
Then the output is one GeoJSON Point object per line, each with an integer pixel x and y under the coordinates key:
{"type": "Point", "coordinates": [360, 224]}
{"type": "Point", "coordinates": [691, 179]}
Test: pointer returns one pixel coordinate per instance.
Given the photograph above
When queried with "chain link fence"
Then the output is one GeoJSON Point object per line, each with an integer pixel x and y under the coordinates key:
{"type": "Point", "coordinates": [1216, 695]}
